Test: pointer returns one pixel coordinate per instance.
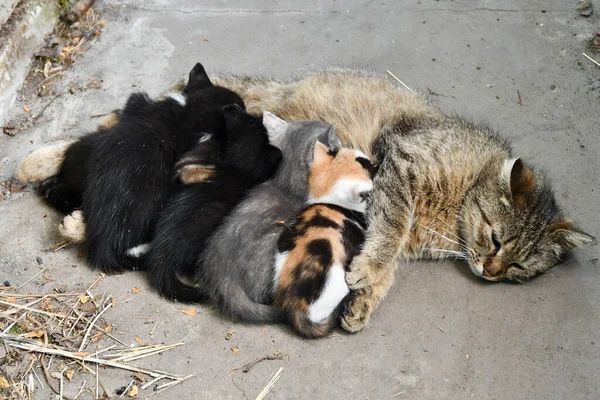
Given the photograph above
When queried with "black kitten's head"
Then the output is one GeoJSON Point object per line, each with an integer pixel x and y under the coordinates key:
{"type": "Point", "coordinates": [247, 147]}
{"type": "Point", "coordinates": [204, 102]}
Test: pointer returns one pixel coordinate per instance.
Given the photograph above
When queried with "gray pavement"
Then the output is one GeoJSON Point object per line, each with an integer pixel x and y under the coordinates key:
{"type": "Point", "coordinates": [440, 333]}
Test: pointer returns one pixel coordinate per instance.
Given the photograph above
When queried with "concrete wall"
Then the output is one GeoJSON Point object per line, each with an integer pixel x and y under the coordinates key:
{"type": "Point", "coordinates": [6, 8]}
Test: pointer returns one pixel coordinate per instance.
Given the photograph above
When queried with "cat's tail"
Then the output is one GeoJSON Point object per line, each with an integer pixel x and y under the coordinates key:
{"type": "Point", "coordinates": [171, 286]}
{"type": "Point", "coordinates": [240, 307]}
{"type": "Point", "coordinates": [302, 324]}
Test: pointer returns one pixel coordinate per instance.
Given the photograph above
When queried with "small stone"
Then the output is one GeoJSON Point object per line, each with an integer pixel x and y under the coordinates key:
{"type": "Point", "coordinates": [39, 260]}
{"type": "Point", "coordinates": [586, 13]}
{"type": "Point", "coordinates": [6, 283]}
{"type": "Point", "coordinates": [552, 87]}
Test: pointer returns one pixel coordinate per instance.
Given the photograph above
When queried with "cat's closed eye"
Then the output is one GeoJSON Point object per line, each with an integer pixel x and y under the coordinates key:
{"type": "Point", "coordinates": [496, 242]}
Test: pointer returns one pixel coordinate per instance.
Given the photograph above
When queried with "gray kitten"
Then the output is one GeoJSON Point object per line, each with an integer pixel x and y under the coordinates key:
{"type": "Point", "coordinates": [235, 269]}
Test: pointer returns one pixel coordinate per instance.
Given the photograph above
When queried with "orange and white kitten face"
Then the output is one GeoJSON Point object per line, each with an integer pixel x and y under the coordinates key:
{"type": "Point", "coordinates": [343, 178]}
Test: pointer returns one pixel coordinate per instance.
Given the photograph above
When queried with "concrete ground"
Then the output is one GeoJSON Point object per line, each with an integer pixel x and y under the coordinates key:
{"type": "Point", "coordinates": [441, 333]}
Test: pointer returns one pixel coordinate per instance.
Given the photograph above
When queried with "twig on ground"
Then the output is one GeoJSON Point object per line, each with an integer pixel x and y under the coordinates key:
{"type": "Point", "coordinates": [248, 366]}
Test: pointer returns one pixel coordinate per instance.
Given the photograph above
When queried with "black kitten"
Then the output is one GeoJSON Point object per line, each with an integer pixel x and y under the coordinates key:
{"type": "Point", "coordinates": [195, 211]}
{"type": "Point", "coordinates": [122, 176]}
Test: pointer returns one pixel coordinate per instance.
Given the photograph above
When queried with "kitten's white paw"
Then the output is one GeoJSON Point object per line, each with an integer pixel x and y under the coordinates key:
{"type": "Point", "coordinates": [42, 164]}
{"type": "Point", "coordinates": [73, 227]}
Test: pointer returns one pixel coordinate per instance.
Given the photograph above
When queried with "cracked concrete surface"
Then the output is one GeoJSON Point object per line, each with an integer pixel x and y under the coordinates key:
{"type": "Point", "coordinates": [538, 340]}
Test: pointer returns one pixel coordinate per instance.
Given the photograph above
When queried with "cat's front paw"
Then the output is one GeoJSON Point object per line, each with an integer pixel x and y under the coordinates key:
{"type": "Point", "coordinates": [362, 273]}
{"type": "Point", "coordinates": [73, 227]}
{"type": "Point", "coordinates": [357, 313]}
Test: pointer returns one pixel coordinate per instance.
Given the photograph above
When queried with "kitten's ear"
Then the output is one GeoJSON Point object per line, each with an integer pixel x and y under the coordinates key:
{"type": "Point", "coordinates": [567, 236]}
{"type": "Point", "coordinates": [518, 178]}
{"type": "Point", "coordinates": [136, 103]}
{"type": "Point", "coordinates": [198, 79]}
{"type": "Point", "coordinates": [331, 140]}
{"type": "Point", "coordinates": [321, 153]}
{"type": "Point", "coordinates": [276, 128]}
{"type": "Point", "coordinates": [233, 115]}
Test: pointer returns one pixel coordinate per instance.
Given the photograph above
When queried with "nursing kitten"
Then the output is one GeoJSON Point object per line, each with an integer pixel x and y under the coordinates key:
{"type": "Point", "coordinates": [194, 211]}
{"type": "Point", "coordinates": [445, 187]}
{"type": "Point", "coordinates": [316, 247]}
{"type": "Point", "coordinates": [234, 267]}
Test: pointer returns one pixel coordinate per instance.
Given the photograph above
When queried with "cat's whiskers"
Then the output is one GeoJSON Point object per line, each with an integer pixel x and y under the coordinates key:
{"type": "Point", "coordinates": [449, 231]}
{"type": "Point", "coordinates": [460, 245]}
{"type": "Point", "coordinates": [458, 254]}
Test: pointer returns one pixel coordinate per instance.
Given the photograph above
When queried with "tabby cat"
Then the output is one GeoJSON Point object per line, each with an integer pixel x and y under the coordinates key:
{"type": "Point", "coordinates": [317, 246]}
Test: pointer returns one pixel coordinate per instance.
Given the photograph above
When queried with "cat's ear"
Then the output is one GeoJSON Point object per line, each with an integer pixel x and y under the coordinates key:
{"type": "Point", "coordinates": [321, 153]}
{"type": "Point", "coordinates": [518, 177]}
{"type": "Point", "coordinates": [276, 128]}
{"type": "Point", "coordinates": [198, 79]}
{"type": "Point", "coordinates": [331, 140]}
{"type": "Point", "coordinates": [136, 104]}
{"type": "Point", "coordinates": [564, 233]}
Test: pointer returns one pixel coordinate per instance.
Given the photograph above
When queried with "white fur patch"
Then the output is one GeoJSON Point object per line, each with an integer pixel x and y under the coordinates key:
{"type": "Point", "coordinates": [138, 251]}
{"type": "Point", "coordinates": [507, 170]}
{"type": "Point", "coordinates": [346, 193]}
{"type": "Point", "coordinates": [476, 269]}
{"type": "Point", "coordinates": [280, 260]}
{"type": "Point", "coordinates": [178, 97]}
{"type": "Point", "coordinates": [333, 293]}
{"type": "Point", "coordinates": [205, 138]}
{"type": "Point", "coordinates": [43, 163]}
{"type": "Point", "coordinates": [360, 154]}
{"type": "Point", "coordinates": [276, 128]}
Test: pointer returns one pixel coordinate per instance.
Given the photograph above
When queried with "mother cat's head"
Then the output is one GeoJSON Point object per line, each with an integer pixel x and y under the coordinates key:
{"type": "Point", "coordinates": [511, 227]}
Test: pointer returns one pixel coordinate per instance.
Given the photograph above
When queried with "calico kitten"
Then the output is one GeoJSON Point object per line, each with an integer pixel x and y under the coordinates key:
{"type": "Point", "coordinates": [316, 248]}
{"type": "Point", "coordinates": [195, 211]}
{"type": "Point", "coordinates": [233, 269]}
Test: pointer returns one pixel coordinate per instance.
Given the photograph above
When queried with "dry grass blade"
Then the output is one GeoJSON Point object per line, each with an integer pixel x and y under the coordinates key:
{"type": "Point", "coordinates": [33, 277]}
{"type": "Point", "coordinates": [591, 59]}
{"type": "Point", "coordinates": [91, 325]}
{"type": "Point", "coordinates": [269, 386]}
{"type": "Point", "coordinates": [402, 83]}
{"type": "Point", "coordinates": [60, 325]}
{"type": "Point", "coordinates": [25, 344]}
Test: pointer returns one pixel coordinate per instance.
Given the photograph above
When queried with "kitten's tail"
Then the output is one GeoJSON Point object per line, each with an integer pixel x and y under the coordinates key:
{"type": "Point", "coordinates": [240, 307]}
{"type": "Point", "coordinates": [170, 286]}
{"type": "Point", "coordinates": [299, 320]}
